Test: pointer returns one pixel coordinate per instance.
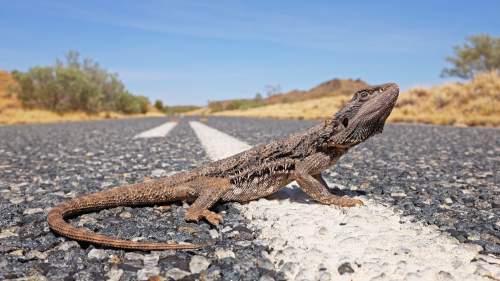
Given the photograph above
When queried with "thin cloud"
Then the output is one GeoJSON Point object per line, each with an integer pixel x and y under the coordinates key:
{"type": "Point", "coordinates": [154, 75]}
{"type": "Point", "coordinates": [230, 21]}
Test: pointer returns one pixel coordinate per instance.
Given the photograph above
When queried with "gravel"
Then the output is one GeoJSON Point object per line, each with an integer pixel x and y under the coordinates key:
{"type": "Point", "coordinates": [42, 165]}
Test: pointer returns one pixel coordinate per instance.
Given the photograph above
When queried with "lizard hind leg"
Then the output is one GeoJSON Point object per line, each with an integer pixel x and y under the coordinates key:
{"type": "Point", "coordinates": [211, 189]}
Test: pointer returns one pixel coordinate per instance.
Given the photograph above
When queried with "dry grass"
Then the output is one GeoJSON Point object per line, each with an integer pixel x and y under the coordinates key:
{"type": "Point", "coordinates": [475, 103]}
{"type": "Point", "coordinates": [309, 109]}
{"type": "Point", "coordinates": [11, 111]}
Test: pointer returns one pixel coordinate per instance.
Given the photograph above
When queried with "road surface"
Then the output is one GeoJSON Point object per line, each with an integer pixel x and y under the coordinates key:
{"type": "Point", "coordinates": [432, 196]}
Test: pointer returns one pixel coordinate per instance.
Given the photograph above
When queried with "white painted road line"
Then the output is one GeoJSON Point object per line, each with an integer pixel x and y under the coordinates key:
{"type": "Point", "coordinates": [157, 132]}
{"type": "Point", "coordinates": [318, 242]}
{"type": "Point", "coordinates": [217, 144]}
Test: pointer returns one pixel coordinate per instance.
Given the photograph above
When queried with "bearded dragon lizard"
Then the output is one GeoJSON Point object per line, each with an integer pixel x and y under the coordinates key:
{"type": "Point", "coordinates": [249, 175]}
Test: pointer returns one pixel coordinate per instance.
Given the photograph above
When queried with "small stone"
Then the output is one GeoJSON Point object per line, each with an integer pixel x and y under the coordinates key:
{"type": "Point", "coordinates": [36, 277]}
{"type": "Point", "coordinates": [266, 278]}
{"type": "Point", "coordinates": [495, 203]}
{"type": "Point", "coordinates": [398, 194]}
{"type": "Point", "coordinates": [266, 264]}
{"type": "Point", "coordinates": [323, 231]}
{"type": "Point", "coordinates": [448, 201]}
{"type": "Point", "coordinates": [222, 254]}
{"type": "Point", "coordinates": [31, 211]}
{"type": "Point", "coordinates": [134, 256]}
{"type": "Point", "coordinates": [213, 275]}
{"type": "Point", "coordinates": [151, 260]}
{"type": "Point", "coordinates": [198, 264]}
{"type": "Point", "coordinates": [289, 270]}
{"type": "Point", "coordinates": [243, 243]}
{"type": "Point", "coordinates": [8, 232]}
{"type": "Point", "coordinates": [473, 237]}
{"type": "Point", "coordinates": [67, 245]}
{"type": "Point", "coordinates": [31, 255]}
{"type": "Point", "coordinates": [147, 273]}
{"type": "Point", "coordinates": [444, 276]}
{"type": "Point", "coordinates": [176, 273]}
{"type": "Point", "coordinates": [16, 200]}
{"type": "Point", "coordinates": [214, 234]}
{"type": "Point", "coordinates": [97, 254]}
{"type": "Point", "coordinates": [17, 253]}
{"type": "Point", "coordinates": [157, 173]}
{"type": "Point", "coordinates": [324, 276]}
{"type": "Point", "coordinates": [115, 274]}
{"type": "Point", "coordinates": [187, 229]}
{"type": "Point", "coordinates": [125, 215]}
{"type": "Point", "coordinates": [345, 268]}
{"type": "Point", "coordinates": [106, 184]}
{"type": "Point", "coordinates": [115, 259]}
{"type": "Point", "coordinates": [226, 229]}
{"type": "Point", "coordinates": [489, 270]}
{"type": "Point", "coordinates": [493, 248]}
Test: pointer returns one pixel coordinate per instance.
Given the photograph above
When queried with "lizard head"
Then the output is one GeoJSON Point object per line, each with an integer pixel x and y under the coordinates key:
{"type": "Point", "coordinates": [365, 114]}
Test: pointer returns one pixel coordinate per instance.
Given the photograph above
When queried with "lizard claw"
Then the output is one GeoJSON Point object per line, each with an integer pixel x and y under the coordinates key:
{"type": "Point", "coordinates": [344, 202]}
{"type": "Point", "coordinates": [350, 202]}
{"type": "Point", "coordinates": [212, 217]}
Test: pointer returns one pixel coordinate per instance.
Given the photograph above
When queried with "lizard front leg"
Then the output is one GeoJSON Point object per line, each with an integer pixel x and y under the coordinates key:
{"type": "Point", "coordinates": [211, 189]}
{"type": "Point", "coordinates": [315, 186]}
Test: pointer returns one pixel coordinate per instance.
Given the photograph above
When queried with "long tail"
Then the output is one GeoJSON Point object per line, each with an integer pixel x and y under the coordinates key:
{"type": "Point", "coordinates": [151, 192]}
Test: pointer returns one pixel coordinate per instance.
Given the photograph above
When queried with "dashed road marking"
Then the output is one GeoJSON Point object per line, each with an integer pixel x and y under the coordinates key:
{"type": "Point", "coordinates": [318, 242]}
{"type": "Point", "coordinates": [217, 144]}
{"type": "Point", "coordinates": [157, 132]}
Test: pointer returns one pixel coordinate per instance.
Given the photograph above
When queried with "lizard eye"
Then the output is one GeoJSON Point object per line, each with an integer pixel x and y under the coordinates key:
{"type": "Point", "coordinates": [345, 122]}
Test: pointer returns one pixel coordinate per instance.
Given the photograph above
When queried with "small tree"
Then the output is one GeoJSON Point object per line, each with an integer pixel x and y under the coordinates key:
{"type": "Point", "coordinates": [479, 54]}
{"type": "Point", "coordinates": [272, 90]}
{"type": "Point", "coordinates": [159, 105]}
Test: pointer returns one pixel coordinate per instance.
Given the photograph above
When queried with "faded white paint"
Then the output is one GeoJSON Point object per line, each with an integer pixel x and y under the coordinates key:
{"type": "Point", "coordinates": [157, 132]}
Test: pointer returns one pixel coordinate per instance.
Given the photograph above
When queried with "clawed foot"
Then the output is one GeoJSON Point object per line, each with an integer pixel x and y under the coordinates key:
{"type": "Point", "coordinates": [212, 217]}
{"type": "Point", "coordinates": [344, 201]}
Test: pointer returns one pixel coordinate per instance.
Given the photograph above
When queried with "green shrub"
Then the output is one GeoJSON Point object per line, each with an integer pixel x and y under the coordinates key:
{"type": "Point", "coordinates": [159, 105]}
{"type": "Point", "coordinates": [76, 85]}
{"type": "Point", "coordinates": [176, 109]}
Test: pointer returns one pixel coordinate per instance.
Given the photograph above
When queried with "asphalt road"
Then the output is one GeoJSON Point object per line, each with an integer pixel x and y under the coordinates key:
{"type": "Point", "coordinates": [442, 176]}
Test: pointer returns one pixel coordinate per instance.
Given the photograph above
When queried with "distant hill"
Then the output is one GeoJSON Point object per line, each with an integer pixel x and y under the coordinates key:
{"type": "Point", "coordinates": [331, 88]}
{"type": "Point", "coordinates": [334, 87]}
{"type": "Point", "coordinates": [472, 103]}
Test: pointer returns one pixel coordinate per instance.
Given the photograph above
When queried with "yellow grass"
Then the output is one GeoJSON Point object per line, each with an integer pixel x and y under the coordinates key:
{"type": "Point", "coordinates": [475, 103]}
{"type": "Point", "coordinates": [309, 109]}
{"type": "Point", "coordinates": [11, 111]}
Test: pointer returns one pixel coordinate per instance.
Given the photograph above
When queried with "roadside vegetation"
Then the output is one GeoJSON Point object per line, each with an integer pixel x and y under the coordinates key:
{"type": "Point", "coordinates": [73, 89]}
{"type": "Point", "coordinates": [473, 101]}
{"type": "Point", "coordinates": [335, 87]}
{"type": "Point", "coordinates": [175, 109]}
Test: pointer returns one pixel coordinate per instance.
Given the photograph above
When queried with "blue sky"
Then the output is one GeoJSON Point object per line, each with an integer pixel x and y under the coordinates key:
{"type": "Point", "coordinates": [189, 52]}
